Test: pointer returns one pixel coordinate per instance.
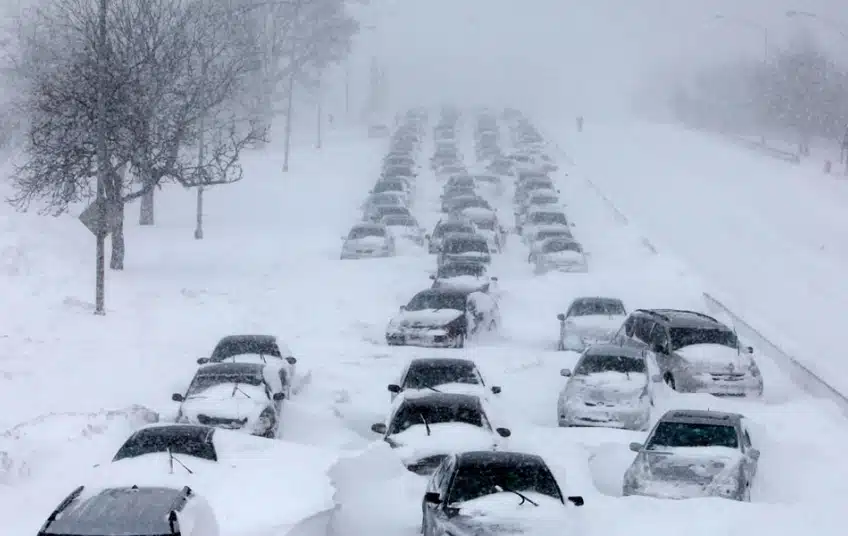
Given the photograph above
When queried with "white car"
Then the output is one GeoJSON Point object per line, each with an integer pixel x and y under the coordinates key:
{"type": "Point", "coordinates": [560, 255]}
{"type": "Point", "coordinates": [236, 396]}
{"type": "Point", "coordinates": [424, 428]}
{"type": "Point", "coordinates": [588, 321]}
{"type": "Point", "coordinates": [405, 228]}
{"type": "Point", "coordinates": [467, 275]}
{"type": "Point", "coordinates": [542, 233]}
{"type": "Point", "coordinates": [610, 387]}
{"type": "Point", "coordinates": [542, 217]}
{"type": "Point", "coordinates": [486, 224]}
{"type": "Point", "coordinates": [253, 348]}
{"type": "Point", "coordinates": [368, 240]}
{"type": "Point", "coordinates": [444, 375]}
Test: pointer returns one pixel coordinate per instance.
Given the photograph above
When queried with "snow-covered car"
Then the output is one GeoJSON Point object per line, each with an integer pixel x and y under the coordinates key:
{"type": "Point", "coordinates": [254, 348]}
{"type": "Point", "coordinates": [560, 255]}
{"type": "Point", "coordinates": [236, 396]}
{"type": "Point", "coordinates": [460, 181]}
{"type": "Point", "coordinates": [442, 374]}
{"type": "Point", "coordinates": [451, 168]}
{"type": "Point", "coordinates": [609, 387]}
{"type": "Point", "coordinates": [542, 217]}
{"type": "Point", "coordinates": [543, 232]}
{"type": "Point", "coordinates": [501, 166]}
{"type": "Point", "coordinates": [496, 493]}
{"type": "Point", "coordinates": [395, 186]}
{"type": "Point", "coordinates": [692, 453]}
{"type": "Point", "coordinates": [694, 352]}
{"type": "Point", "coordinates": [132, 509]}
{"type": "Point", "coordinates": [458, 247]}
{"type": "Point", "coordinates": [464, 275]}
{"type": "Point", "coordinates": [541, 199]}
{"type": "Point", "coordinates": [590, 320]}
{"type": "Point", "coordinates": [424, 428]}
{"type": "Point", "coordinates": [376, 214]}
{"type": "Point", "coordinates": [529, 182]}
{"type": "Point", "coordinates": [458, 204]}
{"type": "Point", "coordinates": [368, 240]}
{"type": "Point", "coordinates": [381, 199]}
{"type": "Point", "coordinates": [405, 228]}
{"type": "Point", "coordinates": [444, 228]}
{"type": "Point", "coordinates": [443, 318]}
{"type": "Point", "coordinates": [487, 225]}
{"type": "Point", "coordinates": [491, 184]}
{"type": "Point", "coordinates": [454, 193]}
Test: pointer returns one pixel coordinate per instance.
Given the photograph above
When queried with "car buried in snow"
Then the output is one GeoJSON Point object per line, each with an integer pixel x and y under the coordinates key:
{"type": "Point", "coordinates": [366, 241]}
{"type": "Point", "coordinates": [404, 228]}
{"type": "Point", "coordinates": [589, 320]}
{"type": "Point", "coordinates": [254, 348]}
{"type": "Point", "coordinates": [485, 493]}
{"type": "Point", "coordinates": [487, 225]}
{"type": "Point", "coordinates": [442, 374]}
{"type": "Point", "coordinates": [424, 428]}
{"type": "Point", "coordinates": [543, 232]}
{"type": "Point", "coordinates": [458, 247]}
{"type": "Point", "coordinates": [609, 387]}
{"type": "Point", "coordinates": [235, 396]}
{"type": "Point", "coordinates": [694, 453]}
{"type": "Point", "coordinates": [470, 276]}
{"type": "Point", "coordinates": [560, 255]}
{"type": "Point", "coordinates": [443, 318]}
{"type": "Point", "coordinates": [694, 352]}
{"type": "Point", "coordinates": [539, 218]}
{"type": "Point", "coordinates": [444, 228]}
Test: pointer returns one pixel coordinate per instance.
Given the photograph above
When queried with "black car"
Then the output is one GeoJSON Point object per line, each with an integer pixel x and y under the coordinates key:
{"type": "Point", "coordinates": [431, 372]}
{"type": "Point", "coordinates": [233, 346]}
{"type": "Point", "coordinates": [132, 510]}
{"type": "Point", "coordinates": [470, 476]}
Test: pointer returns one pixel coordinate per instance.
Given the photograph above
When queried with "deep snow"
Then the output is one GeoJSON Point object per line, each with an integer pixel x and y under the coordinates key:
{"type": "Point", "coordinates": [270, 262]}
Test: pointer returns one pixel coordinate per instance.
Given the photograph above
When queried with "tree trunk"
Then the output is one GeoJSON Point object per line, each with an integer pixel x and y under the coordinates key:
{"type": "Point", "coordinates": [118, 245]}
{"type": "Point", "coordinates": [146, 211]}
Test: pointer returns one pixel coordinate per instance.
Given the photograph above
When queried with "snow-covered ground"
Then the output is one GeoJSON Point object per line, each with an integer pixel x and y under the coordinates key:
{"type": "Point", "coordinates": [270, 263]}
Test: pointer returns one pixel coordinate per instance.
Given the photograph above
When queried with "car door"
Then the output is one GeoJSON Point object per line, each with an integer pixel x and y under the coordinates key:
{"type": "Point", "coordinates": [749, 463]}
{"type": "Point", "coordinates": [440, 522]}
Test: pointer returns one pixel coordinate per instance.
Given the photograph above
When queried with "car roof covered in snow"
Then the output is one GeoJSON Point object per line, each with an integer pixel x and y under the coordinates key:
{"type": "Point", "coordinates": [248, 338]}
{"type": "Point", "coordinates": [447, 362]}
{"type": "Point", "coordinates": [486, 458]}
{"type": "Point", "coordinates": [700, 416]}
{"type": "Point", "coordinates": [465, 237]}
{"type": "Point", "coordinates": [596, 299]}
{"type": "Point", "coordinates": [615, 350]}
{"type": "Point", "coordinates": [232, 368]}
{"type": "Point", "coordinates": [125, 510]}
{"type": "Point", "coordinates": [369, 225]}
{"type": "Point", "coordinates": [446, 291]}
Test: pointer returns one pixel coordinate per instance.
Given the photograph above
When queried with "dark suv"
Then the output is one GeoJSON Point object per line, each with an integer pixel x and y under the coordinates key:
{"type": "Point", "coordinates": [693, 351]}
{"type": "Point", "coordinates": [140, 511]}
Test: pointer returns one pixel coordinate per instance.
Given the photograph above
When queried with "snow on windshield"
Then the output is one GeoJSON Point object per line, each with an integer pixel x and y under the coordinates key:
{"type": "Point", "coordinates": [557, 246]}
{"type": "Point", "coordinates": [436, 300]}
{"type": "Point", "coordinates": [548, 218]}
{"type": "Point", "coordinates": [595, 364]}
{"type": "Point", "coordinates": [363, 232]}
{"type": "Point", "coordinates": [684, 434]}
{"type": "Point", "coordinates": [203, 382]}
{"type": "Point", "coordinates": [458, 270]}
{"type": "Point", "coordinates": [410, 415]}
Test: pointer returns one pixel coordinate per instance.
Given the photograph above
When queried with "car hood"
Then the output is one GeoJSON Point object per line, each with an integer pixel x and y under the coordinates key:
{"type": "Point", "coordinates": [462, 282]}
{"type": "Point", "coordinates": [428, 318]}
{"type": "Point", "coordinates": [219, 401]}
{"type": "Point", "coordinates": [609, 386]}
{"type": "Point", "coordinates": [596, 323]}
{"type": "Point", "coordinates": [715, 357]}
{"type": "Point", "coordinates": [413, 444]}
{"type": "Point", "coordinates": [689, 465]}
{"type": "Point", "coordinates": [503, 514]}
{"type": "Point", "coordinates": [366, 242]}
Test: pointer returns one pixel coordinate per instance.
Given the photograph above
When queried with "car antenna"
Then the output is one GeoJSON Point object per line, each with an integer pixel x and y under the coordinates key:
{"type": "Point", "coordinates": [172, 459]}
{"type": "Point", "coordinates": [426, 424]}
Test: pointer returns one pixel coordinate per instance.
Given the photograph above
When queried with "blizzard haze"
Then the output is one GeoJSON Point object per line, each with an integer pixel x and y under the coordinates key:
{"type": "Point", "coordinates": [564, 54]}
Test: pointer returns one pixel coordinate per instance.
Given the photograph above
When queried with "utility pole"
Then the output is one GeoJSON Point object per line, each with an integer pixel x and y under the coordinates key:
{"type": "Point", "coordinates": [287, 149]}
{"type": "Point", "coordinates": [201, 156]}
{"type": "Point", "coordinates": [103, 157]}
{"type": "Point", "coordinates": [318, 141]}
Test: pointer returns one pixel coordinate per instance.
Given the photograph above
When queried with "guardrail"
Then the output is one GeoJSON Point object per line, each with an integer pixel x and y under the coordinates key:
{"type": "Point", "coordinates": [798, 373]}
{"type": "Point", "coordinates": [764, 148]}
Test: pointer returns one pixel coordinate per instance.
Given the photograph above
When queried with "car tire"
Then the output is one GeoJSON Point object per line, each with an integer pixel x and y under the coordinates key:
{"type": "Point", "coordinates": [669, 380]}
{"type": "Point", "coordinates": [272, 432]}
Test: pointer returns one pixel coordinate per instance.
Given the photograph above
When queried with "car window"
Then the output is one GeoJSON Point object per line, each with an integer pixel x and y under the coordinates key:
{"type": "Point", "coordinates": [687, 434]}
{"type": "Point", "coordinates": [642, 328]}
{"type": "Point", "coordinates": [659, 337]}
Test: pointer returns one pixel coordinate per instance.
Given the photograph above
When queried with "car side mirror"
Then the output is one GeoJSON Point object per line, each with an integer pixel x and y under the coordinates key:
{"type": "Point", "coordinates": [754, 453]}
{"type": "Point", "coordinates": [291, 360]}
{"type": "Point", "coordinates": [561, 317]}
{"type": "Point", "coordinates": [635, 447]}
{"type": "Point", "coordinates": [496, 389]}
{"type": "Point", "coordinates": [494, 278]}
{"type": "Point", "coordinates": [402, 308]}
{"type": "Point", "coordinates": [576, 500]}
{"type": "Point", "coordinates": [432, 277]}
{"type": "Point", "coordinates": [432, 497]}
{"type": "Point", "coordinates": [202, 360]}
{"type": "Point", "coordinates": [565, 373]}
{"type": "Point", "coordinates": [378, 428]}
{"type": "Point", "coordinates": [393, 388]}
{"type": "Point", "coordinates": [750, 349]}
{"type": "Point", "coordinates": [177, 397]}
{"type": "Point", "coordinates": [503, 432]}
{"type": "Point", "coordinates": [278, 396]}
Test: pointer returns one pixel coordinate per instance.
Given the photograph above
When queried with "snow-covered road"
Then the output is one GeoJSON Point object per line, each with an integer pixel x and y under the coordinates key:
{"type": "Point", "coordinates": [270, 263]}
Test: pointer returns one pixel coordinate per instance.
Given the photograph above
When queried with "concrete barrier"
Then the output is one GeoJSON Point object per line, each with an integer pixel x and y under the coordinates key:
{"type": "Point", "coordinates": [797, 372]}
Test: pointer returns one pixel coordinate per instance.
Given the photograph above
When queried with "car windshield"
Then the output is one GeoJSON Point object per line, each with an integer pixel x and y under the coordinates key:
{"type": "Point", "coordinates": [153, 441]}
{"type": "Point", "coordinates": [486, 225]}
{"type": "Point", "coordinates": [436, 300]}
{"type": "Point", "coordinates": [596, 307]}
{"type": "Point", "coordinates": [388, 211]}
{"type": "Point", "coordinates": [399, 221]}
{"type": "Point", "coordinates": [247, 346]}
{"type": "Point", "coordinates": [433, 374]}
{"type": "Point", "coordinates": [685, 434]}
{"type": "Point", "coordinates": [523, 476]}
{"type": "Point", "coordinates": [543, 199]}
{"type": "Point", "coordinates": [362, 232]}
{"type": "Point", "coordinates": [548, 218]}
{"type": "Point", "coordinates": [410, 415]}
{"type": "Point", "coordinates": [467, 245]}
{"type": "Point", "coordinates": [458, 270]}
{"type": "Point", "coordinates": [552, 233]}
{"type": "Point", "coordinates": [595, 364]}
{"type": "Point", "coordinates": [471, 203]}
{"type": "Point", "coordinates": [452, 228]}
{"type": "Point", "coordinates": [204, 381]}
{"type": "Point", "coordinates": [557, 246]}
{"type": "Point", "coordinates": [682, 337]}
